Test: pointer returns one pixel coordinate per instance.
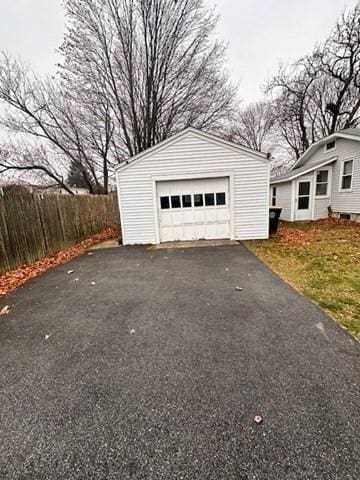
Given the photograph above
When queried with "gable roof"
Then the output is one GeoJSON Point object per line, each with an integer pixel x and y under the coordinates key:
{"type": "Point", "coordinates": [292, 174]}
{"type": "Point", "coordinates": [351, 131]}
{"type": "Point", "coordinates": [348, 133]}
{"type": "Point", "coordinates": [193, 131]}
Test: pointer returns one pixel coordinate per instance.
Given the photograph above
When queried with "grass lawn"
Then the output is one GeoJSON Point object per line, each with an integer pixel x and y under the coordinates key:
{"type": "Point", "coordinates": [322, 261]}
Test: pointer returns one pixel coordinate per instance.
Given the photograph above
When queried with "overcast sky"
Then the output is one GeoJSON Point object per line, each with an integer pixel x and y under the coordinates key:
{"type": "Point", "coordinates": [260, 33]}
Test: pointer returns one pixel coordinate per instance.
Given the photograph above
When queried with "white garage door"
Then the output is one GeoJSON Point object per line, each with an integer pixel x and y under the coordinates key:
{"type": "Point", "coordinates": [194, 209]}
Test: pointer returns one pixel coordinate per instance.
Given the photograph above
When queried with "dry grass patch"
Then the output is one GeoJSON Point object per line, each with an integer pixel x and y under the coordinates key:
{"type": "Point", "coordinates": [321, 260]}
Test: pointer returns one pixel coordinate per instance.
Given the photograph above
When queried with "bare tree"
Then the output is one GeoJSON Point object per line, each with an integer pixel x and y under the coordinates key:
{"type": "Point", "coordinates": [320, 93]}
{"type": "Point", "coordinates": [42, 111]}
{"type": "Point", "coordinates": [292, 88]}
{"type": "Point", "coordinates": [33, 159]}
{"type": "Point", "coordinates": [155, 60]}
{"type": "Point", "coordinates": [339, 59]}
{"type": "Point", "coordinates": [253, 125]}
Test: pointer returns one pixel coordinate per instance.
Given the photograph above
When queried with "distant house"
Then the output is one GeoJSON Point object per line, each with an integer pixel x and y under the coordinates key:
{"type": "Point", "coordinates": [325, 180]}
{"type": "Point", "coordinates": [43, 189]}
{"type": "Point", "coordinates": [58, 190]}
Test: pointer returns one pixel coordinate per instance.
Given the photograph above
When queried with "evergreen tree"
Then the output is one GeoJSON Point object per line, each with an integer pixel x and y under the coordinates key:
{"type": "Point", "coordinates": [76, 176]}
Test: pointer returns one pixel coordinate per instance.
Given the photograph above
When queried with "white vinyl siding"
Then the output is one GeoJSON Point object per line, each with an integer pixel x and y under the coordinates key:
{"type": "Point", "coordinates": [283, 200]}
{"type": "Point", "coordinates": [321, 208]}
{"type": "Point", "coordinates": [347, 201]}
{"type": "Point", "coordinates": [193, 154]}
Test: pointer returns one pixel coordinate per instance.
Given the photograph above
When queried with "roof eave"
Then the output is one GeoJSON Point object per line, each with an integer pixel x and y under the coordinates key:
{"type": "Point", "coordinates": [324, 140]}
{"type": "Point", "coordinates": [305, 172]}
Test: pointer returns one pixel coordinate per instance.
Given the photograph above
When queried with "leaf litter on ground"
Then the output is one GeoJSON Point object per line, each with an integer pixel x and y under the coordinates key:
{"type": "Point", "coordinates": [15, 278]}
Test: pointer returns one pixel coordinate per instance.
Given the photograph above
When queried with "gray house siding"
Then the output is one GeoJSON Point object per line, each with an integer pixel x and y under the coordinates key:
{"type": "Point", "coordinates": [347, 202]}
{"type": "Point", "coordinates": [284, 199]}
{"type": "Point", "coordinates": [344, 147]}
{"type": "Point", "coordinates": [340, 201]}
{"type": "Point", "coordinates": [321, 208]}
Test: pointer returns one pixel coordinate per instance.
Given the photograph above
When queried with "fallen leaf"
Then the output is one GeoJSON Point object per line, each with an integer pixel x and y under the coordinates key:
{"type": "Point", "coordinates": [258, 419]}
{"type": "Point", "coordinates": [5, 310]}
{"type": "Point", "coordinates": [15, 278]}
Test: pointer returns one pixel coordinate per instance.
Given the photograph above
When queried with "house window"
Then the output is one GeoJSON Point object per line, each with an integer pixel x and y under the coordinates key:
{"type": "Point", "coordinates": [347, 174]}
{"type": "Point", "coordinates": [273, 197]}
{"type": "Point", "coordinates": [322, 181]}
{"type": "Point", "coordinates": [330, 146]}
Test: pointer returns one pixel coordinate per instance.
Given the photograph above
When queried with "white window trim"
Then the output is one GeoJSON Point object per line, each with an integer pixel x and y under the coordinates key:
{"type": "Point", "coordinates": [326, 150]}
{"type": "Point", "coordinates": [342, 174]}
{"type": "Point", "coordinates": [328, 191]}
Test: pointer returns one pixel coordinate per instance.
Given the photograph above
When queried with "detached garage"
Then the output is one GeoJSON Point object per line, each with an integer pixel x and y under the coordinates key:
{"type": "Point", "coordinates": [194, 186]}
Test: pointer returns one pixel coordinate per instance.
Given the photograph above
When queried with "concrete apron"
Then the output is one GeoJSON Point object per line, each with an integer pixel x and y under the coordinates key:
{"type": "Point", "coordinates": [107, 244]}
{"type": "Point", "coordinates": [192, 244]}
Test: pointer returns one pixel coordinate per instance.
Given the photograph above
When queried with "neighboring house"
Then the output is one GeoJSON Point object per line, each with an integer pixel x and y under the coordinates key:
{"type": "Point", "coordinates": [325, 180]}
{"type": "Point", "coordinates": [58, 190]}
{"type": "Point", "coordinates": [194, 186]}
{"type": "Point", "coordinates": [44, 189]}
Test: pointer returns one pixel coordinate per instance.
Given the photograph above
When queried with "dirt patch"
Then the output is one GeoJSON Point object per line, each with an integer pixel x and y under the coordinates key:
{"type": "Point", "coordinates": [14, 279]}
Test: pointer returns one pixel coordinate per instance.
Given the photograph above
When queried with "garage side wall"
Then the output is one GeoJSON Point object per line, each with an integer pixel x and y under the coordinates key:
{"type": "Point", "coordinates": [189, 155]}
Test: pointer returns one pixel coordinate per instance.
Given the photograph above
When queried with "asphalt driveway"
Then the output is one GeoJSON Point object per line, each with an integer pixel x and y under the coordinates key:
{"type": "Point", "coordinates": [158, 370]}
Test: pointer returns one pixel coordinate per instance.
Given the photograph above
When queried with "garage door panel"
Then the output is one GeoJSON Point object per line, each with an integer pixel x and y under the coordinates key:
{"type": "Point", "coordinates": [194, 209]}
{"type": "Point", "coordinates": [188, 217]}
{"type": "Point", "coordinates": [212, 215]}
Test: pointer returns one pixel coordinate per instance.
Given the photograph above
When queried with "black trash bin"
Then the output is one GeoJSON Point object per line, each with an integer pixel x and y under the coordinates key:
{"type": "Point", "coordinates": [274, 217]}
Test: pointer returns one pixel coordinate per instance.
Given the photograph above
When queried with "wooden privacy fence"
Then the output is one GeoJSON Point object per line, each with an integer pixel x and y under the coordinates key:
{"type": "Point", "coordinates": [33, 226]}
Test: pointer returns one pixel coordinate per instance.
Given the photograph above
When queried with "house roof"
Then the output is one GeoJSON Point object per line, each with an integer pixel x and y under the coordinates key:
{"type": "Point", "coordinates": [199, 133]}
{"type": "Point", "coordinates": [349, 133]}
{"type": "Point", "coordinates": [291, 174]}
